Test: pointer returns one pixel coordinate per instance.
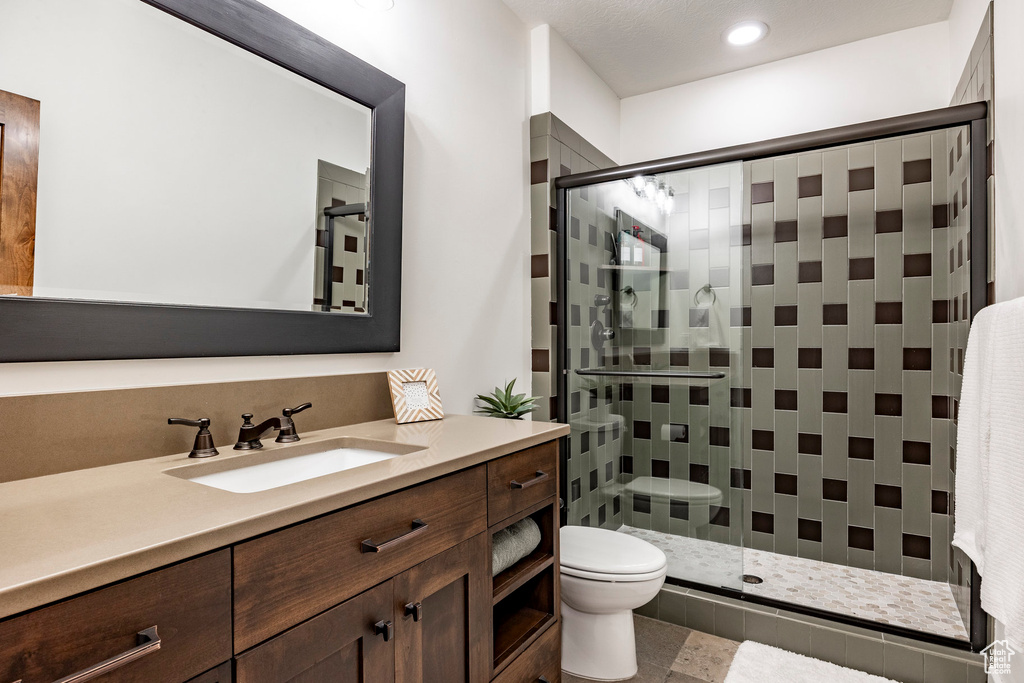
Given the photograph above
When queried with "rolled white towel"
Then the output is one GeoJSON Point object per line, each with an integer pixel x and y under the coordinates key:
{"type": "Point", "coordinates": [513, 543]}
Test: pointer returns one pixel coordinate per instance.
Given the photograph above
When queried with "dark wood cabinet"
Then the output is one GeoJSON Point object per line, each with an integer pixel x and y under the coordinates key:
{"type": "Point", "coordinates": [397, 589]}
{"type": "Point", "coordinates": [291, 575]}
{"type": "Point", "coordinates": [443, 609]}
{"type": "Point", "coordinates": [183, 610]}
{"type": "Point", "coordinates": [351, 643]}
{"type": "Point", "coordinates": [221, 674]}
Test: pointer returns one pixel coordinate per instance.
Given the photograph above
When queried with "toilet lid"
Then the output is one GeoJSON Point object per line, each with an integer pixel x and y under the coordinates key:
{"type": "Point", "coordinates": [603, 551]}
{"type": "Point", "coordinates": [674, 489]}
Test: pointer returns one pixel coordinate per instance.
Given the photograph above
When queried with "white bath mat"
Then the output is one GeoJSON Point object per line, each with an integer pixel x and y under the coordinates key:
{"type": "Point", "coordinates": [757, 663]}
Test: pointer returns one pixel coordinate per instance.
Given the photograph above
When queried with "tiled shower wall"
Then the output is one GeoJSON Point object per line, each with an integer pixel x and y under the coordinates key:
{"type": "Point", "coordinates": [598, 430]}
{"type": "Point", "coordinates": [852, 334]}
{"type": "Point", "coordinates": [556, 150]}
{"type": "Point", "coordinates": [689, 430]}
{"type": "Point", "coordinates": [976, 85]}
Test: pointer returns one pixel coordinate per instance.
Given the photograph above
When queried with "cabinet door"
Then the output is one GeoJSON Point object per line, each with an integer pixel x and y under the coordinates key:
{"type": "Point", "coordinates": [351, 643]}
{"type": "Point", "coordinates": [443, 617]}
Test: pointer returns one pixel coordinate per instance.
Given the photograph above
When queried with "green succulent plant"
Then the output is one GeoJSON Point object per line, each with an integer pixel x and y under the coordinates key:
{"type": "Point", "coordinates": [502, 403]}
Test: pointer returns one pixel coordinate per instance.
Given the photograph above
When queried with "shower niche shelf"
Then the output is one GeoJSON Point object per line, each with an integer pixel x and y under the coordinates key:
{"type": "Point", "coordinates": [525, 596]}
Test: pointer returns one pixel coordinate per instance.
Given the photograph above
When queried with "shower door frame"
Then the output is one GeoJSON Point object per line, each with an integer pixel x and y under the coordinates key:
{"type": "Point", "coordinates": [974, 115]}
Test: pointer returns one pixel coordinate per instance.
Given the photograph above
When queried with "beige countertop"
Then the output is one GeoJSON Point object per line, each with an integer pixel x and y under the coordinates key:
{"type": "Point", "coordinates": [67, 533]}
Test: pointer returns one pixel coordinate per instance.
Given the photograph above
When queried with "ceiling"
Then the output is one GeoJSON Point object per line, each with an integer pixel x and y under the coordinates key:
{"type": "Point", "coordinates": [639, 46]}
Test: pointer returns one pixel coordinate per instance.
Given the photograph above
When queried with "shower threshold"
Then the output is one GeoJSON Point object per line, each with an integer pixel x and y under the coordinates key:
{"type": "Point", "coordinates": [901, 601]}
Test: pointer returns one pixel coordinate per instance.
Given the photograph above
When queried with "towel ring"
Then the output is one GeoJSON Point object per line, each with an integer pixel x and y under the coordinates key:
{"type": "Point", "coordinates": [630, 292]}
{"type": "Point", "coordinates": [705, 289]}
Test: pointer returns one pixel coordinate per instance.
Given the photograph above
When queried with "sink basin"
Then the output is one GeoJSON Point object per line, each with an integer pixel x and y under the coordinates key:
{"type": "Point", "coordinates": [256, 471]}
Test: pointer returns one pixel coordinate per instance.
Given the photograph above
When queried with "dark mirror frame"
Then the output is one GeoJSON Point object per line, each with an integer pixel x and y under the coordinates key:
{"type": "Point", "coordinates": [40, 329]}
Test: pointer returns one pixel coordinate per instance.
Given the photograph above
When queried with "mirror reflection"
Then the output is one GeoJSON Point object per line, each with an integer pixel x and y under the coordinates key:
{"type": "Point", "coordinates": [157, 163]}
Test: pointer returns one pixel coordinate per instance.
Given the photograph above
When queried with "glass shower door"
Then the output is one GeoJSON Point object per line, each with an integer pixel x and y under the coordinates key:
{"type": "Point", "coordinates": [655, 305]}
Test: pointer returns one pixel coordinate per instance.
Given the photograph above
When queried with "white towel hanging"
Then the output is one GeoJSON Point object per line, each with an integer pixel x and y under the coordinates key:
{"type": "Point", "coordinates": [989, 506]}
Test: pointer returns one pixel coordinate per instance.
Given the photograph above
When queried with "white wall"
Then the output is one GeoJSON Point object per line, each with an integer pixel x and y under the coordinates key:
{"type": "Point", "coordinates": [964, 22]}
{"type": "Point", "coordinates": [898, 73]}
{"type": "Point", "coordinates": [126, 212]}
{"type": "Point", "coordinates": [1008, 19]}
{"type": "Point", "coordinates": [466, 240]}
{"type": "Point", "coordinates": [565, 85]}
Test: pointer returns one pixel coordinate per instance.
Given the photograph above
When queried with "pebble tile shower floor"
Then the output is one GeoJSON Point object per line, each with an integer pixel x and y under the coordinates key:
{"type": "Point", "coordinates": [912, 603]}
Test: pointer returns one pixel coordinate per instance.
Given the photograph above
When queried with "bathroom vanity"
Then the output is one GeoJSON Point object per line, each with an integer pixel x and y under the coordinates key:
{"type": "Point", "coordinates": [377, 573]}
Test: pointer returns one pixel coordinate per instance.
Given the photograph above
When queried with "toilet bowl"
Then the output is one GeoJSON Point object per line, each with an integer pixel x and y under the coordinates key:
{"type": "Point", "coordinates": [605, 576]}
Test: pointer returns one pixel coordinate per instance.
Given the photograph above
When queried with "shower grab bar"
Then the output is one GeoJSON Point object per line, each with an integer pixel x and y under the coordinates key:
{"type": "Point", "coordinates": [641, 373]}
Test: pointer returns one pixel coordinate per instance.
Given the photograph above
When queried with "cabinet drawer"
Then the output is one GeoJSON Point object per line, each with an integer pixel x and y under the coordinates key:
{"type": "Point", "coordinates": [540, 661]}
{"type": "Point", "coordinates": [291, 575]}
{"type": "Point", "coordinates": [189, 604]}
{"type": "Point", "coordinates": [520, 480]}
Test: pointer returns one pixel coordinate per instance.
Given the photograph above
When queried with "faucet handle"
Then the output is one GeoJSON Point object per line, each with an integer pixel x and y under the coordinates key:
{"type": "Point", "coordinates": [288, 412]}
{"type": "Point", "coordinates": [288, 433]}
{"type": "Point", "coordinates": [202, 423]}
{"type": "Point", "coordinates": [254, 444]}
{"type": "Point", "coordinates": [203, 446]}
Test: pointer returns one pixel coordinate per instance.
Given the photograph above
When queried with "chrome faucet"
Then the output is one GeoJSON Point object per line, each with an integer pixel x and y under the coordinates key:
{"type": "Point", "coordinates": [250, 434]}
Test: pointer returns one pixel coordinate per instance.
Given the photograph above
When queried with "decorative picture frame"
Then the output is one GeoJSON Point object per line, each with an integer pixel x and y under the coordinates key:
{"type": "Point", "coordinates": [414, 395]}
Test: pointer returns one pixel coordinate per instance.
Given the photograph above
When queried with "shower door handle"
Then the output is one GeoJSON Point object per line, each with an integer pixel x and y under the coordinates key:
{"type": "Point", "coordinates": [540, 476]}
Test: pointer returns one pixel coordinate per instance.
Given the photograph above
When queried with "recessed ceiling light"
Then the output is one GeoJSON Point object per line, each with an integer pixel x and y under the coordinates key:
{"type": "Point", "coordinates": [377, 5]}
{"type": "Point", "coordinates": [746, 33]}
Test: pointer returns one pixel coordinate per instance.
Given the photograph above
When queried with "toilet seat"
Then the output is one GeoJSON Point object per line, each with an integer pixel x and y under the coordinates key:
{"type": "Point", "coordinates": [605, 555]}
{"type": "Point", "coordinates": [614, 578]}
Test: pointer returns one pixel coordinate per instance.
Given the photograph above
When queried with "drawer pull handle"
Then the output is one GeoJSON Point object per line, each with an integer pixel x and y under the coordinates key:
{"type": "Point", "coordinates": [538, 478]}
{"type": "Point", "coordinates": [415, 609]}
{"type": "Point", "coordinates": [543, 679]}
{"type": "Point", "coordinates": [148, 641]}
{"type": "Point", "coordinates": [384, 628]}
{"type": "Point", "coordinates": [368, 546]}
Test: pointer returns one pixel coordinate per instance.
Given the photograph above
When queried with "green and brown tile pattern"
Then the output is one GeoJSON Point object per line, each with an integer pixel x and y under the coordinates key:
{"type": "Point", "coordinates": [856, 316]}
{"type": "Point", "coordinates": [557, 150]}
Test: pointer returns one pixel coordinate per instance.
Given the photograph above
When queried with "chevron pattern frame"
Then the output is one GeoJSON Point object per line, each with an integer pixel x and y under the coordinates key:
{"type": "Point", "coordinates": [414, 395]}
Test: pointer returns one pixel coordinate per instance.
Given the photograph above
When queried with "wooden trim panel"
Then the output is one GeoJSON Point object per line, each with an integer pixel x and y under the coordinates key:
{"type": "Point", "coordinates": [19, 175]}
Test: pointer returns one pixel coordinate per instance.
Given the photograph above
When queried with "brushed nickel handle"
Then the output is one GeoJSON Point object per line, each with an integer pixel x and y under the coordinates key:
{"type": "Point", "coordinates": [538, 478]}
{"type": "Point", "coordinates": [543, 679]}
{"type": "Point", "coordinates": [384, 628]}
{"type": "Point", "coordinates": [368, 546]}
{"type": "Point", "coordinates": [415, 609]}
{"type": "Point", "coordinates": [148, 642]}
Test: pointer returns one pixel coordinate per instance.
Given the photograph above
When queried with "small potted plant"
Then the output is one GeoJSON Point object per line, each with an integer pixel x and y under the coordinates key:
{"type": "Point", "coordinates": [505, 404]}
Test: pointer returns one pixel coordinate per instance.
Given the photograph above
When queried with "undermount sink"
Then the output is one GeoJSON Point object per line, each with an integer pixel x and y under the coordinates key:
{"type": "Point", "coordinates": [270, 469]}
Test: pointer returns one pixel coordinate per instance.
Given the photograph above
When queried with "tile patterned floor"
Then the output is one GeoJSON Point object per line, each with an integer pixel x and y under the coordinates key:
{"type": "Point", "coordinates": [667, 653]}
{"type": "Point", "coordinates": [886, 598]}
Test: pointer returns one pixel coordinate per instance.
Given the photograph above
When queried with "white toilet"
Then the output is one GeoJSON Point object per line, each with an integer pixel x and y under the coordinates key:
{"type": "Point", "coordinates": [605, 575]}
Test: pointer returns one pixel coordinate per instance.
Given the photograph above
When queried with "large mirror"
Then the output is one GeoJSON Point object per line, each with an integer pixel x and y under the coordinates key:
{"type": "Point", "coordinates": [230, 162]}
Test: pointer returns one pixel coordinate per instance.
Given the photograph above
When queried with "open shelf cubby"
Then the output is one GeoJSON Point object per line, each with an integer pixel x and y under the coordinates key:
{"type": "Point", "coordinates": [525, 596]}
{"type": "Point", "coordinates": [545, 514]}
{"type": "Point", "coordinates": [522, 616]}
